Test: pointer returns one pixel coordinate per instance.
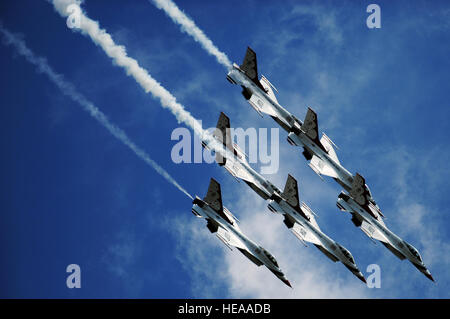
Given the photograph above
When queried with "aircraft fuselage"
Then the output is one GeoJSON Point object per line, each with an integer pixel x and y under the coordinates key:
{"type": "Point", "coordinates": [254, 249]}
{"type": "Point", "coordinates": [280, 114]}
{"type": "Point", "coordinates": [401, 247]}
{"type": "Point", "coordinates": [344, 177]}
{"type": "Point", "coordinates": [326, 242]}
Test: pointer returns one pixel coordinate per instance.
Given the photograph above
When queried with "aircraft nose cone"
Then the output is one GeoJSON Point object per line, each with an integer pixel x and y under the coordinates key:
{"type": "Point", "coordinates": [430, 277]}
{"type": "Point", "coordinates": [287, 282]}
{"type": "Point", "coordinates": [361, 277]}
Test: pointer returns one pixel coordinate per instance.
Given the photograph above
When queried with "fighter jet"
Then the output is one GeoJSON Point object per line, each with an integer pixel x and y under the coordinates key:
{"type": "Point", "coordinates": [299, 218]}
{"type": "Point", "coordinates": [222, 222]}
{"type": "Point", "coordinates": [367, 216]}
{"type": "Point", "coordinates": [320, 153]}
{"type": "Point", "coordinates": [259, 93]}
{"type": "Point", "coordinates": [234, 161]}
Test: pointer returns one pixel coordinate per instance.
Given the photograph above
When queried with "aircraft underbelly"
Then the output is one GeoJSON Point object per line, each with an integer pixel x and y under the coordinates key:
{"type": "Point", "coordinates": [373, 232]}
{"type": "Point", "coordinates": [262, 104]}
{"type": "Point", "coordinates": [304, 233]}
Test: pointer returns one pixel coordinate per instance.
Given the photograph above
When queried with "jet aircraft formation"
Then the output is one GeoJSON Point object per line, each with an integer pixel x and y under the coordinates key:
{"type": "Point", "coordinates": [355, 198]}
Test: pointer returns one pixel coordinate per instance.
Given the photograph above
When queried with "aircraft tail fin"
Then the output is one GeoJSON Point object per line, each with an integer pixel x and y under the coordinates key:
{"type": "Point", "coordinates": [222, 133]}
{"type": "Point", "coordinates": [311, 128]}
{"type": "Point", "coordinates": [250, 67]}
{"type": "Point", "coordinates": [290, 192]}
{"type": "Point", "coordinates": [359, 191]}
{"type": "Point", "coordinates": [214, 196]}
{"type": "Point", "coordinates": [214, 199]}
{"type": "Point", "coordinates": [291, 196]}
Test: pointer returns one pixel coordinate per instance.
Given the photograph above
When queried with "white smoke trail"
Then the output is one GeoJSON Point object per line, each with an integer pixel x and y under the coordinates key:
{"type": "Point", "coordinates": [119, 56]}
{"type": "Point", "coordinates": [68, 89]}
{"type": "Point", "coordinates": [189, 26]}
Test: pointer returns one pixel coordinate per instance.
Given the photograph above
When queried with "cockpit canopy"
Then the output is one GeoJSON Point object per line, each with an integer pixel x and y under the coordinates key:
{"type": "Point", "coordinates": [347, 254]}
{"type": "Point", "coordinates": [271, 258]}
{"type": "Point", "coordinates": [413, 251]}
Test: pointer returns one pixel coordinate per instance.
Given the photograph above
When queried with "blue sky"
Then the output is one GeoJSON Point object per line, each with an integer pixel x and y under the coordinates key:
{"type": "Point", "coordinates": [72, 193]}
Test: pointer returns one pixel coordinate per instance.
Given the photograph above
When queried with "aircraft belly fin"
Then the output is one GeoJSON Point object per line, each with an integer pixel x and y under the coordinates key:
{"type": "Point", "coordinates": [322, 167]}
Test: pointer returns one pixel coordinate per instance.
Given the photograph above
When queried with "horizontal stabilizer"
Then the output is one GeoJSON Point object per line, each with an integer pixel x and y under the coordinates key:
{"type": "Point", "coordinates": [269, 88]}
{"type": "Point", "coordinates": [230, 215]}
{"type": "Point", "coordinates": [239, 152]}
{"type": "Point", "coordinates": [310, 214]}
{"type": "Point", "coordinates": [328, 144]}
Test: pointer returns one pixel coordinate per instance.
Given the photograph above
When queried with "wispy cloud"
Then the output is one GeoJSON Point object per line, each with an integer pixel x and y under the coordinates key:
{"type": "Point", "coordinates": [69, 90]}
